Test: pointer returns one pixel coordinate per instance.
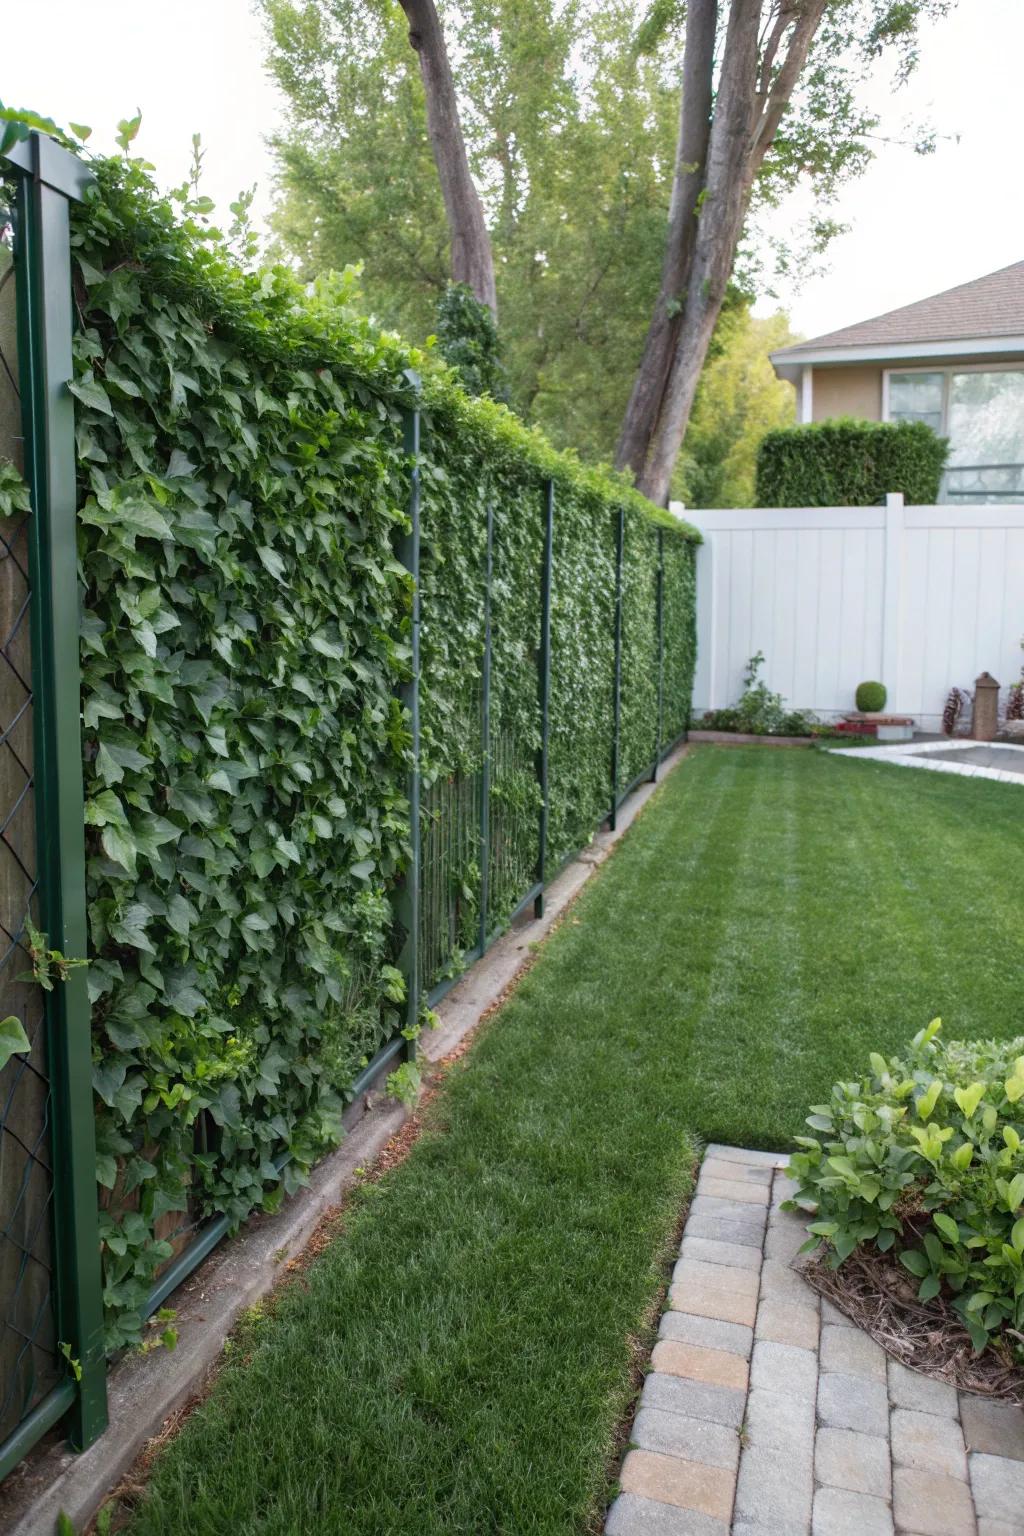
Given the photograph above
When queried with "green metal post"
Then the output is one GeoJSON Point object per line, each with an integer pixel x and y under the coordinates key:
{"type": "Point", "coordinates": [408, 904]}
{"type": "Point", "coordinates": [620, 534]}
{"type": "Point", "coordinates": [545, 689]}
{"type": "Point", "coordinates": [660, 605]}
{"type": "Point", "coordinates": [48, 177]}
{"type": "Point", "coordinates": [485, 734]}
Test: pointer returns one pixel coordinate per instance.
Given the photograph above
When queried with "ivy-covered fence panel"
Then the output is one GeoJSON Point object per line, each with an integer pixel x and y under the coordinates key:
{"type": "Point", "coordinates": [243, 494]}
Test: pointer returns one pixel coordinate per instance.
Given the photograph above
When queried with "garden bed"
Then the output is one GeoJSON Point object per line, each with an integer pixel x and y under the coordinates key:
{"type": "Point", "coordinates": [876, 1293]}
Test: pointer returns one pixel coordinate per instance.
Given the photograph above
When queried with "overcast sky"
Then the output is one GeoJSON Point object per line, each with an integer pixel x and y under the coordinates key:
{"type": "Point", "coordinates": [918, 225]}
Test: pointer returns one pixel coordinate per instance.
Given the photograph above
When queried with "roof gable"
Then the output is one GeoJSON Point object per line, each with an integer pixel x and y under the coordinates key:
{"type": "Point", "coordinates": [989, 306]}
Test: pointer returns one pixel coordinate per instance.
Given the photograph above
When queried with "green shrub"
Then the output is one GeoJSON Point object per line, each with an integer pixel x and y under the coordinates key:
{"type": "Point", "coordinates": [467, 338]}
{"type": "Point", "coordinates": [871, 697]}
{"type": "Point", "coordinates": [923, 1155]}
{"type": "Point", "coordinates": [245, 623]}
{"type": "Point", "coordinates": [848, 463]}
{"type": "Point", "coordinates": [759, 711]}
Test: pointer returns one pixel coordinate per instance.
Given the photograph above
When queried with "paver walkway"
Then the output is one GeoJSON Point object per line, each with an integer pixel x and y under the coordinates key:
{"type": "Point", "coordinates": [767, 1413]}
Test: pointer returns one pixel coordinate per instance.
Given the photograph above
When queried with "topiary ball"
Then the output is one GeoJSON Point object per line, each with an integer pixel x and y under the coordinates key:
{"type": "Point", "coordinates": [871, 697]}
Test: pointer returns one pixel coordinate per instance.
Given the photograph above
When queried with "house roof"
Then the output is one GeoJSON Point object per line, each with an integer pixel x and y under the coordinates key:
{"type": "Point", "coordinates": [989, 311]}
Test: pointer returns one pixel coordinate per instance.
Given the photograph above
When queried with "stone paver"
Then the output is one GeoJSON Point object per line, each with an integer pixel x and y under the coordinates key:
{"type": "Point", "coordinates": [784, 1368]}
{"type": "Point", "coordinates": [998, 1486]}
{"type": "Point", "coordinates": [633, 1516]}
{"type": "Point", "coordinates": [709, 1252]}
{"type": "Point", "coordinates": [927, 1442]}
{"type": "Point", "coordinates": [995, 1428]}
{"type": "Point", "coordinates": [718, 1366]}
{"type": "Point", "coordinates": [673, 1434]}
{"type": "Point", "coordinates": [850, 1402]}
{"type": "Point", "coordinates": [768, 1412]}
{"type": "Point", "coordinates": [784, 1323]}
{"type": "Point", "coordinates": [852, 1352]}
{"type": "Point", "coordinates": [671, 1480]}
{"type": "Point", "coordinates": [930, 1504]}
{"type": "Point", "coordinates": [909, 1389]}
{"type": "Point", "coordinates": [838, 1512]}
{"type": "Point", "coordinates": [844, 1458]}
{"type": "Point", "coordinates": [708, 1332]}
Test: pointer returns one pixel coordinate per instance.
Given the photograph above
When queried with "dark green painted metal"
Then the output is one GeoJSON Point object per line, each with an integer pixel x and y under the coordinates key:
{"type": "Point", "coordinates": [35, 1425]}
{"type": "Point", "coordinates": [660, 607]}
{"type": "Point", "coordinates": [408, 903]}
{"type": "Point", "coordinates": [485, 733]}
{"type": "Point", "coordinates": [43, 255]}
{"type": "Point", "coordinates": [544, 683]}
{"type": "Point", "coordinates": [620, 534]}
{"type": "Point", "coordinates": [442, 988]}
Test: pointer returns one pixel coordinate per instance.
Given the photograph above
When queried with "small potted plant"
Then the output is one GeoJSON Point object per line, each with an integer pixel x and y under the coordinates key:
{"type": "Point", "coordinates": [871, 698]}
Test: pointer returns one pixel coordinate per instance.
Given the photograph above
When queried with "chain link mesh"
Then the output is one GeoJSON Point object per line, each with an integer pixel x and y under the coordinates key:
{"type": "Point", "coordinates": [30, 1364]}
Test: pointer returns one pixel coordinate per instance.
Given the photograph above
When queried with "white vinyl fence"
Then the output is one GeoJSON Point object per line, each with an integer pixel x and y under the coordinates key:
{"type": "Point", "coordinates": [920, 598]}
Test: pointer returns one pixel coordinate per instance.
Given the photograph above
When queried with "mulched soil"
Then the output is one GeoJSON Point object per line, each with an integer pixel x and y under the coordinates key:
{"type": "Point", "coordinates": [875, 1292]}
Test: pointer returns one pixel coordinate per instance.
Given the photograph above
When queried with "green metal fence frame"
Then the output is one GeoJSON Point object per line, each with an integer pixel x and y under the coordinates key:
{"type": "Point", "coordinates": [47, 179]}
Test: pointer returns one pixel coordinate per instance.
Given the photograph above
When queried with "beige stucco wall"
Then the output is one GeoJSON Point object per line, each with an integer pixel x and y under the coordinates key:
{"type": "Point", "coordinates": [847, 392]}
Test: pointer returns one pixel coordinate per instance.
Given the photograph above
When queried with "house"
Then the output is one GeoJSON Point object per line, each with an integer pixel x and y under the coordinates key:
{"type": "Point", "coordinates": [955, 361]}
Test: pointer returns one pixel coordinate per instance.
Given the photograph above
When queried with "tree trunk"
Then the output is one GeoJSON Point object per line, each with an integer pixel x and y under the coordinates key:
{"type": "Point", "coordinates": [687, 182]}
{"type": "Point", "coordinates": [719, 225]}
{"type": "Point", "coordinates": [471, 260]}
{"type": "Point", "coordinates": [754, 90]}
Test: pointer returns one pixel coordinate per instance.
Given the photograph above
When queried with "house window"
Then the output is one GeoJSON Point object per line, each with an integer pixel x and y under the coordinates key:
{"type": "Point", "coordinates": [918, 397]}
{"type": "Point", "coordinates": [981, 411]}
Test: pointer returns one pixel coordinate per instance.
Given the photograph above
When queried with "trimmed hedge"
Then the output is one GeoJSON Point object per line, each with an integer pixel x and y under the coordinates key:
{"type": "Point", "coordinates": [848, 463]}
{"type": "Point", "coordinates": [242, 487]}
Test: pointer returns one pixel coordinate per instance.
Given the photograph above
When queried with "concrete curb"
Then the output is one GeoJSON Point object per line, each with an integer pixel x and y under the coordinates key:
{"type": "Point", "coordinates": [145, 1390]}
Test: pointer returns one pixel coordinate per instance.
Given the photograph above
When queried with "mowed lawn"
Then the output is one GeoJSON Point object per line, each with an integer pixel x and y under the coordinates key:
{"type": "Point", "coordinates": [458, 1359]}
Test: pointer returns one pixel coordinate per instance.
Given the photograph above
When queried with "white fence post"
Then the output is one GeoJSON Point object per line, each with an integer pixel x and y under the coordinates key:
{"type": "Point", "coordinates": [892, 597]}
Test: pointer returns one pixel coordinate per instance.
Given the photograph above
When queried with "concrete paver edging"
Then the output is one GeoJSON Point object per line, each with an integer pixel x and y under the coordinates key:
{"type": "Point", "coordinates": [146, 1390]}
{"type": "Point", "coordinates": [767, 1412]}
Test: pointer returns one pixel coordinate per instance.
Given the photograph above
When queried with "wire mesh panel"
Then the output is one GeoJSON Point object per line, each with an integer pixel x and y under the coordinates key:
{"type": "Point", "coordinates": [30, 1362]}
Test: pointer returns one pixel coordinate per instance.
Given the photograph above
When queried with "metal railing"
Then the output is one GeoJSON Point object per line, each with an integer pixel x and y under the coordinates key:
{"type": "Point", "coordinates": [60, 1372]}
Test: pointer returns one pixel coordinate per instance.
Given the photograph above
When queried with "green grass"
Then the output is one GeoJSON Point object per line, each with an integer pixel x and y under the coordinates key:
{"type": "Point", "coordinates": [456, 1362]}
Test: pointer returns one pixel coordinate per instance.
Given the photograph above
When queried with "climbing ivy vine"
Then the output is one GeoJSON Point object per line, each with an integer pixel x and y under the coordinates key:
{"type": "Point", "coordinates": [245, 628]}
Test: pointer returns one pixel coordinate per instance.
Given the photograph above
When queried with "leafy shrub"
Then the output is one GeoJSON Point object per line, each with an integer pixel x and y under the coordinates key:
{"type": "Point", "coordinates": [242, 486]}
{"type": "Point", "coordinates": [871, 697]}
{"type": "Point", "coordinates": [467, 339]}
{"type": "Point", "coordinates": [759, 712]}
{"type": "Point", "coordinates": [923, 1155]}
{"type": "Point", "coordinates": [848, 463]}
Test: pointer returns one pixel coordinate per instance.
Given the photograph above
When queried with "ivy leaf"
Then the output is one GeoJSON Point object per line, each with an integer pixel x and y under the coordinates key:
{"type": "Point", "coordinates": [91, 393]}
{"type": "Point", "coordinates": [130, 928]}
{"type": "Point", "coordinates": [120, 846]}
{"type": "Point", "coordinates": [272, 561]}
{"type": "Point", "coordinates": [13, 1039]}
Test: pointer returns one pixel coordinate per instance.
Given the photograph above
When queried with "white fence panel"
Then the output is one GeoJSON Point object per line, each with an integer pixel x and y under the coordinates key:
{"type": "Point", "coordinates": [920, 597]}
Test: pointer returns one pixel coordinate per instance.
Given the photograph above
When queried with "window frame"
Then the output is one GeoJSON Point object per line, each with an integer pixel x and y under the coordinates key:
{"type": "Point", "coordinates": [947, 370]}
